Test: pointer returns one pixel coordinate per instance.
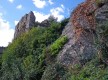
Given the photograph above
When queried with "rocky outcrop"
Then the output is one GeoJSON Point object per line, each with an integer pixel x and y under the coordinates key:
{"type": "Point", "coordinates": [81, 33]}
{"type": "Point", "coordinates": [79, 49]}
{"type": "Point", "coordinates": [44, 23]}
{"type": "Point", "coordinates": [83, 17]}
{"type": "Point", "coordinates": [26, 23]}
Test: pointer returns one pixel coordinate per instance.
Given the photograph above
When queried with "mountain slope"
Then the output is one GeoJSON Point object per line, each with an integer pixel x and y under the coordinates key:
{"type": "Point", "coordinates": [73, 49]}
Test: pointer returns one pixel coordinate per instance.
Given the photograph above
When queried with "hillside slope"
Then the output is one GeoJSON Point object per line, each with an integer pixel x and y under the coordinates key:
{"type": "Point", "coordinates": [73, 49]}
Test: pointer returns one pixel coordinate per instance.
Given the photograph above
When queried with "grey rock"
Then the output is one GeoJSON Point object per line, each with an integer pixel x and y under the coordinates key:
{"type": "Point", "coordinates": [44, 23]}
{"type": "Point", "coordinates": [25, 24]}
{"type": "Point", "coordinates": [81, 48]}
{"type": "Point", "coordinates": [78, 49]}
{"type": "Point", "coordinates": [101, 14]}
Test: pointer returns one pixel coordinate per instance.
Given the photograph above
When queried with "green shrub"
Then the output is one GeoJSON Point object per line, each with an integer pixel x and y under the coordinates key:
{"type": "Point", "coordinates": [27, 61]}
{"type": "Point", "coordinates": [55, 71]}
{"type": "Point", "coordinates": [91, 71]}
{"type": "Point", "coordinates": [102, 36]}
{"type": "Point", "coordinates": [57, 45]}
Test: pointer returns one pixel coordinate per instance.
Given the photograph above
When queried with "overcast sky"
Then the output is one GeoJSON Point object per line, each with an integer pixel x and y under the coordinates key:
{"type": "Point", "coordinates": [11, 12]}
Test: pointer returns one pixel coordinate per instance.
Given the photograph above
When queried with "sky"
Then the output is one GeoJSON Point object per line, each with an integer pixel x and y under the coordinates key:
{"type": "Point", "coordinates": [11, 12]}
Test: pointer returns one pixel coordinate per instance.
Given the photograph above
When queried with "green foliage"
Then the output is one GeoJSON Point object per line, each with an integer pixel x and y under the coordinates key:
{"type": "Point", "coordinates": [103, 28]}
{"type": "Point", "coordinates": [102, 36]}
{"type": "Point", "coordinates": [57, 45]}
{"type": "Point", "coordinates": [54, 72]}
{"type": "Point", "coordinates": [52, 51]}
{"type": "Point", "coordinates": [24, 59]}
{"type": "Point", "coordinates": [27, 61]}
{"type": "Point", "coordinates": [12, 70]}
{"type": "Point", "coordinates": [91, 71]}
{"type": "Point", "coordinates": [64, 22]}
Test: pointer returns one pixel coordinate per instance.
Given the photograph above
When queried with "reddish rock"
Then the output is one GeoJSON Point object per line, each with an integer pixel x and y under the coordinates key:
{"type": "Point", "coordinates": [81, 33]}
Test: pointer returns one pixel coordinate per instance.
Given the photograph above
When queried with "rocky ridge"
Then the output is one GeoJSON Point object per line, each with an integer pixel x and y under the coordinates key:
{"type": "Point", "coordinates": [28, 21]}
{"type": "Point", "coordinates": [25, 24]}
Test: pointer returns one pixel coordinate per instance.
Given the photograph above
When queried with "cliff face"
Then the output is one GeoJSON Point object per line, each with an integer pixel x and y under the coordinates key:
{"type": "Point", "coordinates": [80, 48]}
{"type": "Point", "coordinates": [83, 17]}
{"type": "Point", "coordinates": [26, 23]}
{"type": "Point", "coordinates": [81, 31]}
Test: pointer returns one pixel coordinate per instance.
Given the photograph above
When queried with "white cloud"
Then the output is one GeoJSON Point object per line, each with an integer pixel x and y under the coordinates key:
{"type": "Point", "coordinates": [40, 16]}
{"type": "Point", "coordinates": [57, 13]}
{"type": "Point", "coordinates": [1, 14]}
{"type": "Point", "coordinates": [50, 1]}
{"type": "Point", "coordinates": [62, 6]}
{"type": "Point", "coordinates": [39, 3]}
{"type": "Point", "coordinates": [19, 6]}
{"type": "Point", "coordinates": [11, 1]}
{"type": "Point", "coordinates": [6, 33]}
{"type": "Point", "coordinates": [16, 22]}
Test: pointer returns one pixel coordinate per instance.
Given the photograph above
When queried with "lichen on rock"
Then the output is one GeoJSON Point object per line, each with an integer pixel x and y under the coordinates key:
{"type": "Point", "coordinates": [81, 33]}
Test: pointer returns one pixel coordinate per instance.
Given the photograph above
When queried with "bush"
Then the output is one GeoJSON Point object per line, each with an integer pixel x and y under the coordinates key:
{"type": "Point", "coordinates": [55, 71]}
{"type": "Point", "coordinates": [102, 36]}
{"type": "Point", "coordinates": [91, 71]}
{"type": "Point", "coordinates": [52, 51]}
{"type": "Point", "coordinates": [24, 58]}
{"type": "Point", "coordinates": [57, 45]}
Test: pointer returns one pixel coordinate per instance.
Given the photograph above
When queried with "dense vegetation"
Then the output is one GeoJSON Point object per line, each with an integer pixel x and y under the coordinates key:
{"type": "Point", "coordinates": [93, 70]}
{"type": "Point", "coordinates": [25, 58]}
{"type": "Point", "coordinates": [32, 56]}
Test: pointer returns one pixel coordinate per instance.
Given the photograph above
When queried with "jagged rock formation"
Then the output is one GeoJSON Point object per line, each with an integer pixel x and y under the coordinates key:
{"type": "Point", "coordinates": [81, 33]}
{"type": "Point", "coordinates": [44, 23]}
{"type": "Point", "coordinates": [26, 23]}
